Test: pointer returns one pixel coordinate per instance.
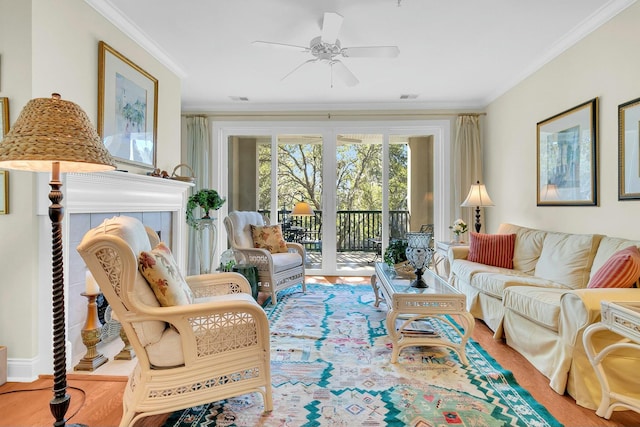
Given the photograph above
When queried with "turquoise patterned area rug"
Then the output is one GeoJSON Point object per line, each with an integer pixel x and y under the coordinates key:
{"type": "Point", "coordinates": [330, 367]}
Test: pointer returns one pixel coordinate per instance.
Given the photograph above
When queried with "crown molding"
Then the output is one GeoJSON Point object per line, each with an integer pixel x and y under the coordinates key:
{"type": "Point", "coordinates": [590, 24]}
{"type": "Point", "coordinates": [352, 106]}
{"type": "Point", "coordinates": [117, 18]}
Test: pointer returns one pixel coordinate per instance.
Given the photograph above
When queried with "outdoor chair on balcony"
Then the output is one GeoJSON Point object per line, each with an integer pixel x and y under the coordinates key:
{"type": "Point", "coordinates": [211, 344]}
{"type": "Point", "coordinates": [278, 268]}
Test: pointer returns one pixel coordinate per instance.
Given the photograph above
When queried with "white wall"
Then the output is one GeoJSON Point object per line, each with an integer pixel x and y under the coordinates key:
{"type": "Point", "coordinates": [51, 46]}
{"type": "Point", "coordinates": [605, 64]}
{"type": "Point", "coordinates": [18, 286]}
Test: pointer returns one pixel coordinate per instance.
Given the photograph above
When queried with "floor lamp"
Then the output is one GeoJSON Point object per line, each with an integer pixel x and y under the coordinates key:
{"type": "Point", "coordinates": [479, 198]}
{"type": "Point", "coordinates": [55, 135]}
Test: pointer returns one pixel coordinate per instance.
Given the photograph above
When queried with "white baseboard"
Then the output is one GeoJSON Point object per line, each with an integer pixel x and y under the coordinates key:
{"type": "Point", "coordinates": [23, 370]}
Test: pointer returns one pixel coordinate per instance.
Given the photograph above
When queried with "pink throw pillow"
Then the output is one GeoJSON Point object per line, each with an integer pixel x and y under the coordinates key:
{"type": "Point", "coordinates": [492, 249]}
{"type": "Point", "coordinates": [622, 270]}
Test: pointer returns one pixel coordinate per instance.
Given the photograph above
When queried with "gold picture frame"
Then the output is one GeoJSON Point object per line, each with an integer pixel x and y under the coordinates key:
{"type": "Point", "coordinates": [4, 192]}
{"type": "Point", "coordinates": [127, 109]}
{"type": "Point", "coordinates": [629, 150]}
{"type": "Point", "coordinates": [567, 155]}
{"type": "Point", "coordinates": [4, 117]}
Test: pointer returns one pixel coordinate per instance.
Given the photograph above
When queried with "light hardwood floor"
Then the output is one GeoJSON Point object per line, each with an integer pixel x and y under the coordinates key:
{"type": "Point", "coordinates": [100, 402]}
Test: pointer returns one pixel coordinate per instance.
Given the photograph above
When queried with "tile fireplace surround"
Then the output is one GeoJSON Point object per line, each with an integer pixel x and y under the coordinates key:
{"type": "Point", "coordinates": [88, 200]}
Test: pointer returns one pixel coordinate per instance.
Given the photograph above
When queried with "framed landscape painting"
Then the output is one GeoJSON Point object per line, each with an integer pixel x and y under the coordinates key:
{"type": "Point", "coordinates": [629, 150]}
{"type": "Point", "coordinates": [567, 153]}
{"type": "Point", "coordinates": [4, 117]}
{"type": "Point", "coordinates": [127, 108]}
{"type": "Point", "coordinates": [4, 192]}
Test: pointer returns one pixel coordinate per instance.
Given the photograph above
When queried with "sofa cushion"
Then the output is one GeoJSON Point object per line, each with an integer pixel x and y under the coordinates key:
{"type": "Point", "coordinates": [164, 277]}
{"type": "Point", "coordinates": [167, 352]}
{"type": "Point", "coordinates": [607, 247]}
{"type": "Point", "coordinates": [494, 284]}
{"type": "Point", "coordinates": [242, 221]}
{"type": "Point", "coordinates": [539, 305]}
{"type": "Point", "coordinates": [620, 271]}
{"type": "Point", "coordinates": [268, 237]}
{"type": "Point", "coordinates": [465, 269]}
{"type": "Point", "coordinates": [567, 258]}
{"type": "Point", "coordinates": [492, 249]}
{"type": "Point", "coordinates": [149, 331]}
{"type": "Point", "coordinates": [527, 248]}
{"type": "Point", "coordinates": [285, 261]}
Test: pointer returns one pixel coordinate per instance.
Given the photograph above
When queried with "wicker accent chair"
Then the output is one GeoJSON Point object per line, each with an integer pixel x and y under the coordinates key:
{"type": "Point", "coordinates": [275, 271]}
{"type": "Point", "coordinates": [188, 355]}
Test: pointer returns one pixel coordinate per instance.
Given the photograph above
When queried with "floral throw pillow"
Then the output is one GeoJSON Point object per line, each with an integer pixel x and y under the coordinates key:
{"type": "Point", "coordinates": [161, 272]}
{"type": "Point", "coordinates": [268, 237]}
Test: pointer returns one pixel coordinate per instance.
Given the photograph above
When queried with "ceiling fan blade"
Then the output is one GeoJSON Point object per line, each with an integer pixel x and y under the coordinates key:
{"type": "Point", "coordinates": [298, 67]}
{"type": "Point", "coordinates": [344, 73]}
{"type": "Point", "coordinates": [371, 52]}
{"type": "Point", "coordinates": [331, 27]}
{"type": "Point", "coordinates": [282, 45]}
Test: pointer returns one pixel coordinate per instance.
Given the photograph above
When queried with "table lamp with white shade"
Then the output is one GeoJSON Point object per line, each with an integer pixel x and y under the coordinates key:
{"type": "Point", "coordinates": [478, 198]}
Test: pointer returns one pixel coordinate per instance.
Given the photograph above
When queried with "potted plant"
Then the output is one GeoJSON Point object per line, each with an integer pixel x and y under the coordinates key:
{"type": "Point", "coordinates": [208, 200]}
{"type": "Point", "coordinates": [396, 252]}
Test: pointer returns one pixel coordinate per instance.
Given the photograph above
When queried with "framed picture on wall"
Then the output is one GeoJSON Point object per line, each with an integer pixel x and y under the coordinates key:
{"type": "Point", "coordinates": [4, 192]}
{"type": "Point", "coordinates": [567, 153]}
{"type": "Point", "coordinates": [127, 108]}
{"type": "Point", "coordinates": [4, 117]}
{"type": "Point", "coordinates": [629, 150]}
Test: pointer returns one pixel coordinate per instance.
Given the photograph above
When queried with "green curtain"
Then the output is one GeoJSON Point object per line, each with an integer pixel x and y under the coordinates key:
{"type": "Point", "coordinates": [198, 149]}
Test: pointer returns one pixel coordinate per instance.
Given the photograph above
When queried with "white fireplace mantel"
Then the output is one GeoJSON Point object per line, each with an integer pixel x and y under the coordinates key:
{"type": "Point", "coordinates": [126, 192]}
{"type": "Point", "coordinates": [102, 192]}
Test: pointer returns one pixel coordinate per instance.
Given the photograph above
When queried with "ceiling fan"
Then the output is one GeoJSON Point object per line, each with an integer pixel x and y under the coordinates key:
{"type": "Point", "coordinates": [326, 48]}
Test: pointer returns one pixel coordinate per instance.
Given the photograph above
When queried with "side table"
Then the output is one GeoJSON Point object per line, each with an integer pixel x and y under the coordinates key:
{"type": "Point", "coordinates": [623, 318]}
{"type": "Point", "coordinates": [441, 258]}
{"type": "Point", "coordinates": [250, 272]}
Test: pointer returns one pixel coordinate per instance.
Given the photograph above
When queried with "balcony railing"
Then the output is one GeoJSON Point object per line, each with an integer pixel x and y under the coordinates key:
{"type": "Point", "coordinates": [356, 230]}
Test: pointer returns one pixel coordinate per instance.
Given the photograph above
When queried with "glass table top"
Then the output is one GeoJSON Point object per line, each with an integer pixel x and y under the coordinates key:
{"type": "Point", "coordinates": [401, 285]}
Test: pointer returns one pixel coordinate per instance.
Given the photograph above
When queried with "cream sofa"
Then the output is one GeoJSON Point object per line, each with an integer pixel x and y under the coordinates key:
{"type": "Point", "coordinates": [542, 306]}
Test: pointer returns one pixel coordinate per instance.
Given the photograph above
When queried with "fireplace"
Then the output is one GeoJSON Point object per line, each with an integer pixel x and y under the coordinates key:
{"type": "Point", "coordinates": [88, 200]}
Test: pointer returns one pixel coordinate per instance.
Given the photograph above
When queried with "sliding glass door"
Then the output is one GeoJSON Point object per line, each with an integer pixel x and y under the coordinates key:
{"type": "Point", "coordinates": [342, 193]}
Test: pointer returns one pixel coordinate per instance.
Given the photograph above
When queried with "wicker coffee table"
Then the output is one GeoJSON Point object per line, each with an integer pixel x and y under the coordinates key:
{"type": "Point", "coordinates": [407, 306]}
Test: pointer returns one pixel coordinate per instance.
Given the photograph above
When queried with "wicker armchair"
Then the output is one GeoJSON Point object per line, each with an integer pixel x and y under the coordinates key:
{"type": "Point", "coordinates": [188, 355]}
{"type": "Point", "coordinates": [276, 271]}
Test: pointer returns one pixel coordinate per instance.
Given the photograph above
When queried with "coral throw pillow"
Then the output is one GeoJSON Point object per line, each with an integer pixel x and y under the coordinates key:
{"type": "Point", "coordinates": [492, 249]}
{"type": "Point", "coordinates": [161, 272]}
{"type": "Point", "coordinates": [268, 237]}
{"type": "Point", "coordinates": [622, 270]}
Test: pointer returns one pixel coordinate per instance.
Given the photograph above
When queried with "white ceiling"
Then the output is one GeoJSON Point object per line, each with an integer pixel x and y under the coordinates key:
{"type": "Point", "coordinates": [454, 54]}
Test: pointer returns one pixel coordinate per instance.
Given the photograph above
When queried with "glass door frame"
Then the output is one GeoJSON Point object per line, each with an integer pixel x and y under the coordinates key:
{"type": "Point", "coordinates": [443, 188]}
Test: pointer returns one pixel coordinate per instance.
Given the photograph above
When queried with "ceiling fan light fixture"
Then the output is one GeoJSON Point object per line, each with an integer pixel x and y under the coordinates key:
{"type": "Point", "coordinates": [326, 48]}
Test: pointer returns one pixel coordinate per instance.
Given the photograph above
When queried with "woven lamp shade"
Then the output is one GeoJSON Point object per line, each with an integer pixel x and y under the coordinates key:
{"type": "Point", "coordinates": [52, 130]}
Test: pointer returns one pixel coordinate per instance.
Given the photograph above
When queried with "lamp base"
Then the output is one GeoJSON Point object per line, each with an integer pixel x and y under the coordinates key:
{"type": "Point", "coordinates": [418, 282]}
{"type": "Point", "coordinates": [477, 224]}
{"type": "Point", "coordinates": [127, 352]}
{"type": "Point", "coordinates": [90, 363]}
